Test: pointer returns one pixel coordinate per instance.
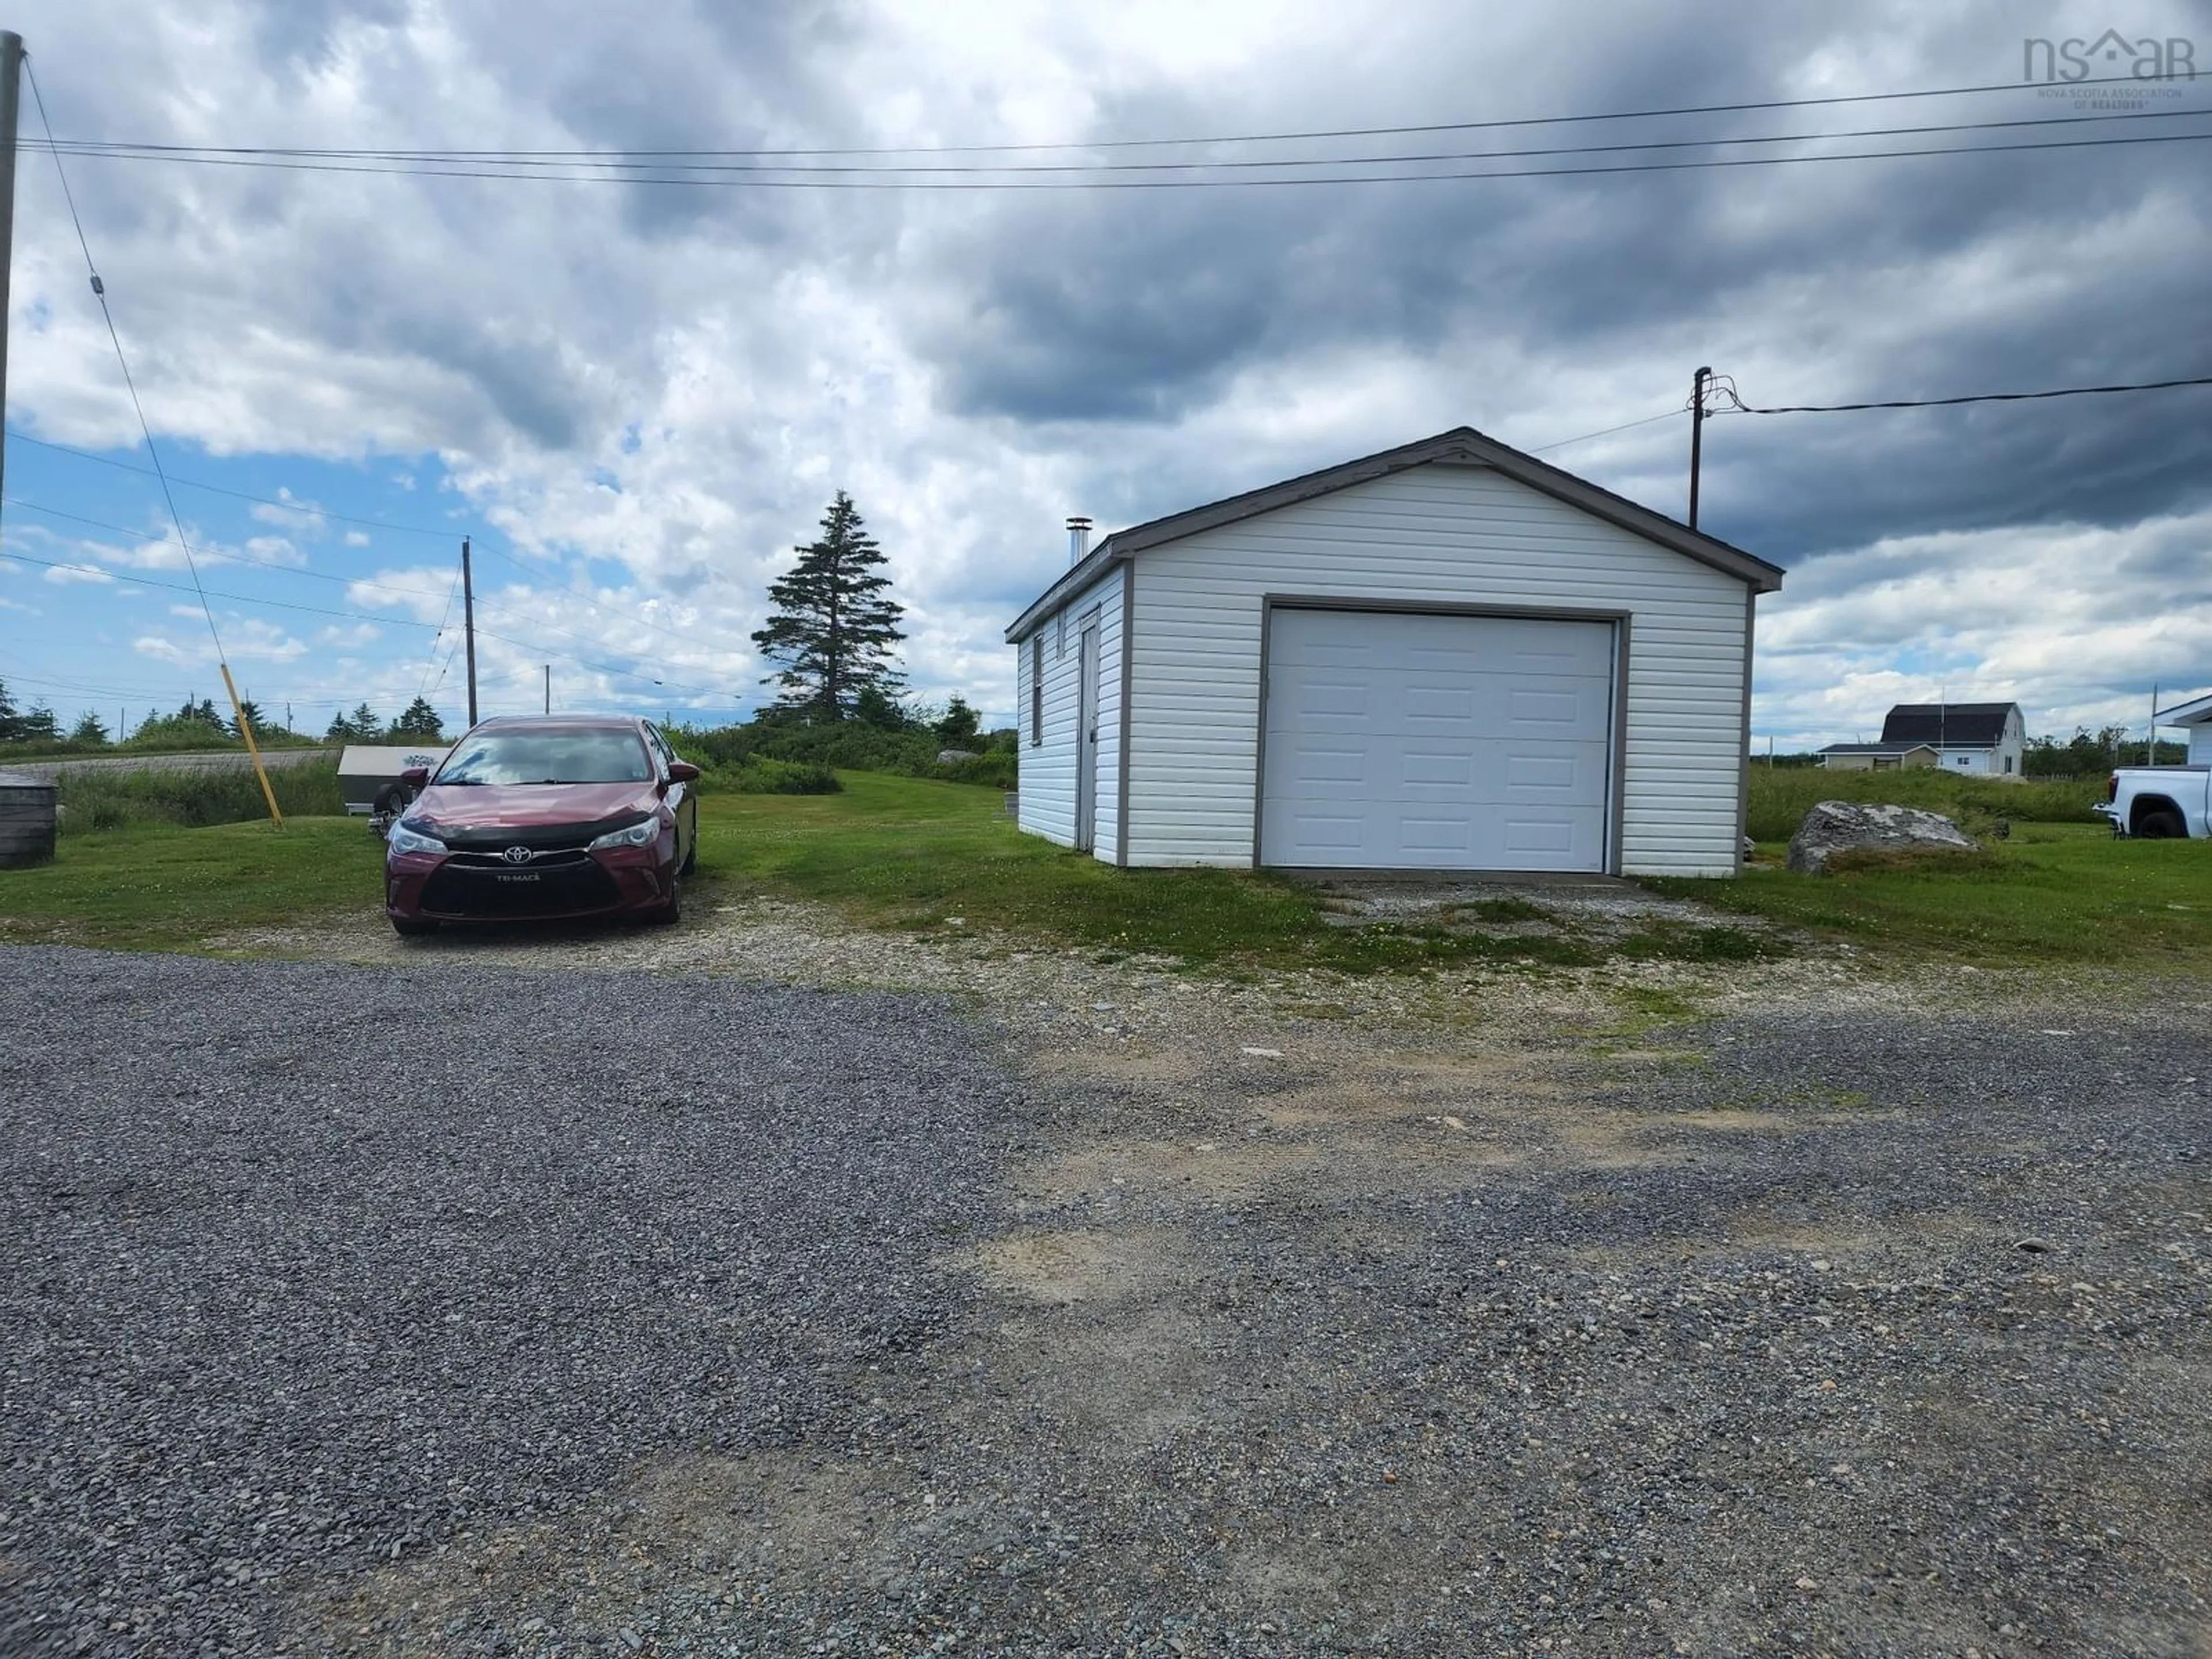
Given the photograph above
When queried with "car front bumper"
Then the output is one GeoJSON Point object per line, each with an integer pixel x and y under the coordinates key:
{"type": "Point", "coordinates": [463, 887]}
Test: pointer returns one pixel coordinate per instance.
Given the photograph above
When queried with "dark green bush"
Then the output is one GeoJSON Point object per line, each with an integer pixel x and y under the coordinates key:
{"type": "Point", "coordinates": [765, 776]}
{"type": "Point", "coordinates": [853, 745]}
{"type": "Point", "coordinates": [998, 768]}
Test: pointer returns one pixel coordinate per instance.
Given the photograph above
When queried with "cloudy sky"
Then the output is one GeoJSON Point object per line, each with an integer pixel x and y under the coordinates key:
{"type": "Point", "coordinates": [637, 386]}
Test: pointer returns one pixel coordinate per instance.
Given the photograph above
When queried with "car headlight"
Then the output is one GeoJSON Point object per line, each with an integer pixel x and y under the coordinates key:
{"type": "Point", "coordinates": [635, 834]}
{"type": "Point", "coordinates": [401, 838]}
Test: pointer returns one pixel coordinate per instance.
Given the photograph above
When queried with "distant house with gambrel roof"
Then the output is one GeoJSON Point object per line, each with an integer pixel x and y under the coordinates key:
{"type": "Point", "coordinates": [1988, 737]}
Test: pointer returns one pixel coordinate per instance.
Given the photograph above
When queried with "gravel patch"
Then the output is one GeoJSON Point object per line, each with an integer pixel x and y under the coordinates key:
{"type": "Point", "coordinates": [1484, 1313]}
{"type": "Point", "coordinates": [313, 1267]}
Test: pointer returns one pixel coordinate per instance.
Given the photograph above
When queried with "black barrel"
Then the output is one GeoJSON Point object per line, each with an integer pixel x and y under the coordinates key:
{"type": "Point", "coordinates": [27, 820]}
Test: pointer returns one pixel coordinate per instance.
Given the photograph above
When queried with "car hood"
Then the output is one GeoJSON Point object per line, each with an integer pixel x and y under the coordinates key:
{"type": "Point", "coordinates": [504, 814]}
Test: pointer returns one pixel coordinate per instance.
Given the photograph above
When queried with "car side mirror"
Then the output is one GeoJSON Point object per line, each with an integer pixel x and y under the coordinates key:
{"type": "Point", "coordinates": [416, 776]}
{"type": "Point", "coordinates": [683, 772]}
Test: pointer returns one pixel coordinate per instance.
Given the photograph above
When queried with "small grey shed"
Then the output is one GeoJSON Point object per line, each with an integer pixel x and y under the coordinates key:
{"type": "Point", "coordinates": [1450, 656]}
{"type": "Point", "coordinates": [28, 817]}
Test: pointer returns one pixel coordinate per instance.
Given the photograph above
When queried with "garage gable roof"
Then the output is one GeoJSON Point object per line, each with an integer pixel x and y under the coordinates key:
{"type": "Point", "coordinates": [2197, 711]}
{"type": "Point", "coordinates": [1461, 444]}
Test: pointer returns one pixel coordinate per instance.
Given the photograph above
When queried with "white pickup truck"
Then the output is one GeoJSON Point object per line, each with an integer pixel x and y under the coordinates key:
{"type": "Point", "coordinates": [2159, 803]}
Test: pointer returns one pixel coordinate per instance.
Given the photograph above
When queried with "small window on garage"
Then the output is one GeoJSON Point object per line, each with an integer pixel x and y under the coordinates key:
{"type": "Point", "coordinates": [1036, 689]}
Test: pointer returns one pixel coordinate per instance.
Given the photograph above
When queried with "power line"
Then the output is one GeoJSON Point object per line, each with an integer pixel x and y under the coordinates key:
{"type": "Point", "coordinates": [297, 507]}
{"type": "Point", "coordinates": [1831, 100]}
{"type": "Point", "coordinates": [239, 495]}
{"type": "Point", "coordinates": [1665, 414]}
{"type": "Point", "coordinates": [138, 581]}
{"type": "Point", "coordinates": [1743, 408]}
{"type": "Point", "coordinates": [536, 649]}
{"type": "Point", "coordinates": [532, 568]}
{"type": "Point", "coordinates": [444, 617]}
{"type": "Point", "coordinates": [1209, 183]}
{"type": "Point", "coordinates": [100, 293]}
{"type": "Point", "coordinates": [217, 555]}
{"type": "Point", "coordinates": [520, 161]}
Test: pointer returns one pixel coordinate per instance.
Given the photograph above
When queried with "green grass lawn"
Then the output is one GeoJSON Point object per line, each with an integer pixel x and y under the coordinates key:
{"type": "Point", "coordinates": [2052, 893]}
{"type": "Point", "coordinates": [911, 854]}
{"type": "Point", "coordinates": [159, 887]}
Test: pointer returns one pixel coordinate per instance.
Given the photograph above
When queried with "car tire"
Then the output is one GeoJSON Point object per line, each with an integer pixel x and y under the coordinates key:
{"type": "Point", "coordinates": [671, 912]}
{"type": "Point", "coordinates": [2162, 826]}
{"type": "Point", "coordinates": [391, 801]}
{"type": "Point", "coordinates": [691, 860]}
{"type": "Point", "coordinates": [412, 928]}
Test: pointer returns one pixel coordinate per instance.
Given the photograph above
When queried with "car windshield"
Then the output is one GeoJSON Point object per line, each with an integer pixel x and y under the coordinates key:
{"type": "Point", "coordinates": [581, 757]}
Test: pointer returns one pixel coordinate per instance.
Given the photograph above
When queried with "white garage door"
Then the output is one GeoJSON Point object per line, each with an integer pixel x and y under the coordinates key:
{"type": "Point", "coordinates": [1418, 742]}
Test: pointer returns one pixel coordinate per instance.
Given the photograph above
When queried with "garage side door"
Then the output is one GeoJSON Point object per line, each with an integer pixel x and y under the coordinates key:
{"type": "Point", "coordinates": [1418, 742]}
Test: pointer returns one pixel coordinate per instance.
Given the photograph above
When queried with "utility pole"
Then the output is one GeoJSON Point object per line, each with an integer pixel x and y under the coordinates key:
{"type": "Point", "coordinates": [1697, 435]}
{"type": "Point", "coordinates": [549, 688]}
{"type": "Point", "coordinates": [11, 79]}
{"type": "Point", "coordinates": [468, 626]}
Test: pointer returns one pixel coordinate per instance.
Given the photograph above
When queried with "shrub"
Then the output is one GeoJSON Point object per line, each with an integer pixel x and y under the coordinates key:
{"type": "Point", "coordinates": [763, 776]}
{"type": "Point", "coordinates": [855, 745]}
{"type": "Point", "coordinates": [999, 768]}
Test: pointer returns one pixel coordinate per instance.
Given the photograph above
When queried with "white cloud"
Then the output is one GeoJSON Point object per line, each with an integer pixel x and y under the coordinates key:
{"type": "Point", "coordinates": [356, 538]}
{"type": "Point", "coordinates": [65, 575]}
{"type": "Point", "coordinates": [245, 639]}
{"type": "Point", "coordinates": [304, 518]}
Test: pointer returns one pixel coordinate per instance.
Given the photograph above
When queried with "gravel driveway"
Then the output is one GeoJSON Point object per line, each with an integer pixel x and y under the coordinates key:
{"type": "Point", "coordinates": [487, 1311]}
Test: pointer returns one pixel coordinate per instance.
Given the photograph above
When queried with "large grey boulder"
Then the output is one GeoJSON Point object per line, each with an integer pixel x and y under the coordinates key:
{"type": "Point", "coordinates": [1836, 826]}
{"type": "Point", "coordinates": [953, 757]}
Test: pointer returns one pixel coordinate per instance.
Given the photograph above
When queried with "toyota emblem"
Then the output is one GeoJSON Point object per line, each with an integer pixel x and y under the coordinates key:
{"type": "Point", "coordinates": [518, 855]}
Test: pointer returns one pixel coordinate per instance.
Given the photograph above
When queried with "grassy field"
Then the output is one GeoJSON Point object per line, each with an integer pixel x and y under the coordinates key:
{"type": "Point", "coordinates": [1781, 796]}
{"type": "Point", "coordinates": [105, 801]}
{"type": "Point", "coordinates": [915, 855]}
{"type": "Point", "coordinates": [910, 853]}
{"type": "Point", "coordinates": [163, 888]}
{"type": "Point", "coordinates": [2052, 893]}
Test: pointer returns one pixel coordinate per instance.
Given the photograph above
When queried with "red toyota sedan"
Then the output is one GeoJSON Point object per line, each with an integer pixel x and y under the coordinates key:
{"type": "Point", "coordinates": [545, 817]}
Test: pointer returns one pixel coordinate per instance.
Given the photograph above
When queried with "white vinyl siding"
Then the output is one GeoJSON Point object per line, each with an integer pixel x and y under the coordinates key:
{"type": "Point", "coordinates": [1440, 533]}
{"type": "Point", "coordinates": [1047, 792]}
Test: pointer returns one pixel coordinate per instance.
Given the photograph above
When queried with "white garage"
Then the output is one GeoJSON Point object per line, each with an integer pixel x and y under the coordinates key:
{"type": "Point", "coordinates": [1447, 657]}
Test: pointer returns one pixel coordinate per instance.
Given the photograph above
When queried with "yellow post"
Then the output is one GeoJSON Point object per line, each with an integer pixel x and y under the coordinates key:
{"type": "Point", "coordinates": [246, 731]}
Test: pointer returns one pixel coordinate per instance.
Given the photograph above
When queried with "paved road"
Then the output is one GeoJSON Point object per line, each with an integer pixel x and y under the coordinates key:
{"type": "Point", "coordinates": [198, 760]}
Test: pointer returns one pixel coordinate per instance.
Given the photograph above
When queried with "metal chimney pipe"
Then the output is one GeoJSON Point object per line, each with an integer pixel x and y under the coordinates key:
{"type": "Point", "coordinates": [1078, 540]}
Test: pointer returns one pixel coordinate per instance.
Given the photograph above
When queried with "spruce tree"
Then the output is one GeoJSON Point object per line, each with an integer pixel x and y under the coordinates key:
{"type": "Point", "coordinates": [421, 721]}
{"type": "Point", "coordinates": [832, 628]}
